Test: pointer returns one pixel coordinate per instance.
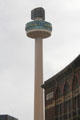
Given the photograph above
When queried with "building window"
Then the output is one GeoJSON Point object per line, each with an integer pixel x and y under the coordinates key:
{"type": "Point", "coordinates": [79, 101]}
{"type": "Point", "coordinates": [57, 112]}
{"type": "Point", "coordinates": [57, 93]}
{"type": "Point", "coordinates": [75, 83]}
{"type": "Point", "coordinates": [58, 107]}
{"type": "Point", "coordinates": [66, 88]}
{"type": "Point", "coordinates": [67, 104]}
{"type": "Point", "coordinates": [76, 96]}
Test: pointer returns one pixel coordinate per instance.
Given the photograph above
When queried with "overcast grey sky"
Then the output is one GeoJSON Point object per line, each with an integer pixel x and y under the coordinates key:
{"type": "Point", "coordinates": [17, 50]}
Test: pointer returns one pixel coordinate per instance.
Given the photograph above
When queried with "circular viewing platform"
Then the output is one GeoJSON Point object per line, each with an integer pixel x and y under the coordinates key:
{"type": "Point", "coordinates": [38, 29]}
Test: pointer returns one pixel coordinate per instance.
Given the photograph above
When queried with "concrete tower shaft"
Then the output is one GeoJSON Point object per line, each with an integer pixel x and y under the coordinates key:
{"type": "Point", "coordinates": [38, 92]}
{"type": "Point", "coordinates": [38, 30]}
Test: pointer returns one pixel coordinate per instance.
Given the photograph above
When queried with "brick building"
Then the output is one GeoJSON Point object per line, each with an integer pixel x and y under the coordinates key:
{"type": "Point", "coordinates": [7, 117]}
{"type": "Point", "coordinates": [62, 94]}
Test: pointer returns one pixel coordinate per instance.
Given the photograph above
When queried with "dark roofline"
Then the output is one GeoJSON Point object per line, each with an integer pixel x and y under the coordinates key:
{"type": "Point", "coordinates": [9, 116]}
{"type": "Point", "coordinates": [56, 76]}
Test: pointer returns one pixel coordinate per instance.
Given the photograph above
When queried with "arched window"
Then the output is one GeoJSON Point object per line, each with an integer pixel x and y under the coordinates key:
{"type": "Point", "coordinates": [58, 106]}
{"type": "Point", "coordinates": [57, 93]}
{"type": "Point", "coordinates": [76, 96]}
{"type": "Point", "coordinates": [75, 83]}
{"type": "Point", "coordinates": [67, 102]}
{"type": "Point", "coordinates": [66, 88]}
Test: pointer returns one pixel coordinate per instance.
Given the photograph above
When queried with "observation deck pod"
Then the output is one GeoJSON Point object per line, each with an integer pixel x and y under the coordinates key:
{"type": "Point", "coordinates": [38, 29]}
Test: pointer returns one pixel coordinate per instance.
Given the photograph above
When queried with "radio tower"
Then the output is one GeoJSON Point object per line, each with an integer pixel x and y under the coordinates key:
{"type": "Point", "coordinates": [38, 29]}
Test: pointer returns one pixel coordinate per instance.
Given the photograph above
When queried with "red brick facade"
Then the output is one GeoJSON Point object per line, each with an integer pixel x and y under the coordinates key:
{"type": "Point", "coordinates": [62, 94]}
